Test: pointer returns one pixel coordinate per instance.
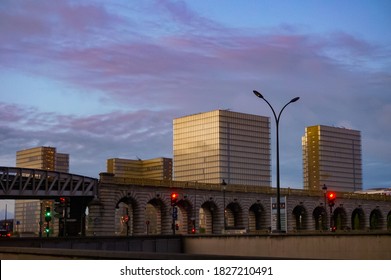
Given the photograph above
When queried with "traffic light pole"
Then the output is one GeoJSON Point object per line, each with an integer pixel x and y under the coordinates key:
{"type": "Point", "coordinates": [174, 200]}
{"type": "Point", "coordinates": [40, 220]}
{"type": "Point", "coordinates": [173, 226]}
{"type": "Point", "coordinates": [331, 218]}
{"type": "Point", "coordinates": [331, 200]}
{"type": "Point", "coordinates": [174, 218]}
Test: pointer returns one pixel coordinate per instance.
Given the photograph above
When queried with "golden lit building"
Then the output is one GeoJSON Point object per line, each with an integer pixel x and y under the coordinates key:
{"type": "Point", "coordinates": [27, 212]}
{"type": "Point", "coordinates": [332, 157]}
{"type": "Point", "coordinates": [157, 168]}
{"type": "Point", "coordinates": [222, 145]}
{"type": "Point", "coordinates": [45, 158]}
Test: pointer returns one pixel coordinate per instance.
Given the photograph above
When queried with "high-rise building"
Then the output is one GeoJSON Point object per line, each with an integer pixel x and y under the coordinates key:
{"type": "Point", "coordinates": [157, 168]}
{"type": "Point", "coordinates": [45, 158]}
{"type": "Point", "coordinates": [222, 145]}
{"type": "Point", "coordinates": [28, 213]}
{"type": "Point", "coordinates": [332, 157]}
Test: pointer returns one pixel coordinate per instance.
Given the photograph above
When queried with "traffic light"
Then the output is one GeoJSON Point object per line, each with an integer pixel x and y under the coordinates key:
{"type": "Point", "coordinates": [59, 207]}
{"type": "Point", "coordinates": [47, 229]}
{"type": "Point", "coordinates": [174, 199]}
{"type": "Point", "coordinates": [331, 196]}
{"type": "Point", "coordinates": [48, 215]}
{"type": "Point", "coordinates": [63, 201]}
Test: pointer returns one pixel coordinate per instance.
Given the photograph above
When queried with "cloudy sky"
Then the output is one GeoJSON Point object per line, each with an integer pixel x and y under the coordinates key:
{"type": "Point", "coordinates": [101, 79]}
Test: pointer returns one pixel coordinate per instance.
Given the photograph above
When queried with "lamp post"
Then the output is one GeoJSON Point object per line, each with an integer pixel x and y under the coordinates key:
{"type": "Point", "coordinates": [277, 119]}
{"type": "Point", "coordinates": [324, 188]}
{"type": "Point", "coordinates": [224, 184]}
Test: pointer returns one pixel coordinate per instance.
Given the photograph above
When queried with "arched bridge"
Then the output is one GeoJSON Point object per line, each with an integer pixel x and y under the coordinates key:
{"type": "Point", "coordinates": [18, 183]}
{"type": "Point", "coordinates": [138, 206]}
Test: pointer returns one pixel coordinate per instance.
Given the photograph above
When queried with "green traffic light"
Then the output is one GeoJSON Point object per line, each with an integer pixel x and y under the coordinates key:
{"type": "Point", "coordinates": [48, 215]}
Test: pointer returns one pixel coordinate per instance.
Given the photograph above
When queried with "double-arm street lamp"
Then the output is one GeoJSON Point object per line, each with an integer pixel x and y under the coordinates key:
{"type": "Point", "coordinates": [277, 119]}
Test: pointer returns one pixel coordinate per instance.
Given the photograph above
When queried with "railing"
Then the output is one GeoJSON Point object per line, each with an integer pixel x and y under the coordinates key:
{"type": "Point", "coordinates": [109, 178]}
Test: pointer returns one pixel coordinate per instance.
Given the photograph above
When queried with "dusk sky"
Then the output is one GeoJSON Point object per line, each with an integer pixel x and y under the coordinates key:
{"type": "Point", "coordinates": [103, 79]}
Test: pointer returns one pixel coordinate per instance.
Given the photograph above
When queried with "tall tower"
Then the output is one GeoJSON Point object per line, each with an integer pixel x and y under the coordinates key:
{"type": "Point", "coordinates": [222, 145]}
{"type": "Point", "coordinates": [332, 156]}
{"type": "Point", "coordinates": [28, 213]}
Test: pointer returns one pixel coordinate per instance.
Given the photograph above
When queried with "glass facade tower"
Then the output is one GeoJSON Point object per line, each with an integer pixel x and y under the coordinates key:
{"type": "Point", "coordinates": [332, 157]}
{"type": "Point", "coordinates": [222, 145]}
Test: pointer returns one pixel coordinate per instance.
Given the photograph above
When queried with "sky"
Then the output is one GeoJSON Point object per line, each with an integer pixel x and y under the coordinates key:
{"type": "Point", "coordinates": [102, 79]}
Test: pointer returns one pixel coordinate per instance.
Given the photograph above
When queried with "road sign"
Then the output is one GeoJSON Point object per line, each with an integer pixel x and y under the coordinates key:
{"type": "Point", "coordinates": [283, 215]}
{"type": "Point", "coordinates": [175, 212]}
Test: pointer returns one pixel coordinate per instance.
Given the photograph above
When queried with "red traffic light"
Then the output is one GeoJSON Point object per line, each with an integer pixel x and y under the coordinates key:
{"type": "Point", "coordinates": [331, 196]}
{"type": "Point", "coordinates": [174, 199]}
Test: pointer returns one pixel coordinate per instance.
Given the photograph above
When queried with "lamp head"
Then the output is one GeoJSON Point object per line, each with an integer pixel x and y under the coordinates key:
{"type": "Point", "coordinates": [295, 99]}
{"type": "Point", "coordinates": [258, 94]}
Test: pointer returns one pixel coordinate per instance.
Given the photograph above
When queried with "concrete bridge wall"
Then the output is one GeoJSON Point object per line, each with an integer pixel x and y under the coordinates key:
{"type": "Point", "coordinates": [347, 246]}
{"type": "Point", "coordinates": [333, 246]}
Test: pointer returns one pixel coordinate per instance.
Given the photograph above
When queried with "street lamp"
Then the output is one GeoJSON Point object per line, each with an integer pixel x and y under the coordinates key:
{"type": "Point", "coordinates": [277, 119]}
{"type": "Point", "coordinates": [324, 188]}
{"type": "Point", "coordinates": [224, 184]}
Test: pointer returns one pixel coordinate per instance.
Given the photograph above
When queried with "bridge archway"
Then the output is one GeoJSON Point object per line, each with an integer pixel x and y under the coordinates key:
{"type": "Point", "coordinates": [208, 217]}
{"type": "Point", "coordinates": [340, 218]}
{"type": "Point", "coordinates": [358, 219]}
{"type": "Point", "coordinates": [185, 215]}
{"type": "Point", "coordinates": [376, 220]}
{"type": "Point", "coordinates": [124, 218]}
{"type": "Point", "coordinates": [256, 217]}
{"type": "Point", "coordinates": [300, 215]}
{"type": "Point", "coordinates": [320, 218]}
{"type": "Point", "coordinates": [153, 216]}
{"type": "Point", "coordinates": [233, 216]}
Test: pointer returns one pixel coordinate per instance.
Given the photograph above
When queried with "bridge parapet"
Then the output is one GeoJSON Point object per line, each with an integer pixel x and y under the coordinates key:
{"type": "Point", "coordinates": [109, 178]}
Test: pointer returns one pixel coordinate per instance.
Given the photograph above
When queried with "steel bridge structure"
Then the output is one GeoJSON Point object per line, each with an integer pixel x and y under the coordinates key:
{"type": "Point", "coordinates": [18, 183]}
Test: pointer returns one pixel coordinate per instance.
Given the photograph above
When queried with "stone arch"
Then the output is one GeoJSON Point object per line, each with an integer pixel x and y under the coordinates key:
{"type": "Point", "coordinates": [154, 216]}
{"type": "Point", "coordinates": [256, 217]}
{"type": "Point", "coordinates": [185, 218]}
{"type": "Point", "coordinates": [208, 214]}
{"type": "Point", "coordinates": [300, 216]}
{"type": "Point", "coordinates": [124, 216]}
{"type": "Point", "coordinates": [320, 218]}
{"type": "Point", "coordinates": [339, 218]}
{"type": "Point", "coordinates": [358, 219]}
{"type": "Point", "coordinates": [376, 220]}
{"type": "Point", "coordinates": [233, 216]}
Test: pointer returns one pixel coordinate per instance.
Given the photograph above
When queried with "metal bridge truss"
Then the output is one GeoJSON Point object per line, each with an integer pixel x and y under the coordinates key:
{"type": "Point", "coordinates": [28, 183]}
